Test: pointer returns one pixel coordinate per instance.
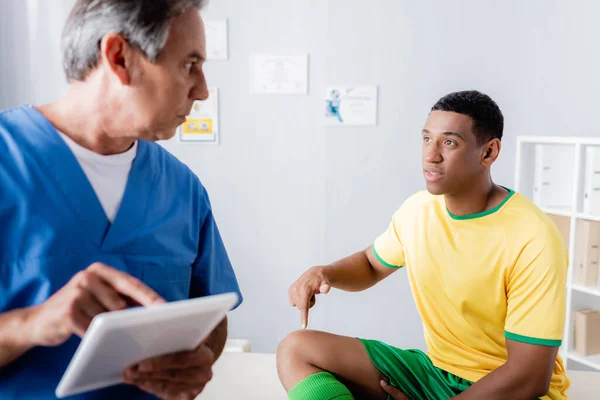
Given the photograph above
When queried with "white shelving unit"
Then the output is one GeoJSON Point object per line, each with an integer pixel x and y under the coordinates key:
{"type": "Point", "coordinates": [560, 174]}
{"type": "Point", "coordinates": [589, 217]}
{"type": "Point", "coordinates": [586, 289]}
{"type": "Point", "coordinates": [562, 212]}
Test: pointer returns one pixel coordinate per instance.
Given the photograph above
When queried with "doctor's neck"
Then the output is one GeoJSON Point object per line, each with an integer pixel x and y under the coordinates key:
{"type": "Point", "coordinates": [90, 116]}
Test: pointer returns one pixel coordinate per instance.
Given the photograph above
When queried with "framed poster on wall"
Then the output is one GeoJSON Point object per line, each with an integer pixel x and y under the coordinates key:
{"type": "Point", "coordinates": [279, 74]}
{"type": "Point", "coordinates": [350, 106]}
{"type": "Point", "coordinates": [217, 45]}
{"type": "Point", "coordinates": [202, 125]}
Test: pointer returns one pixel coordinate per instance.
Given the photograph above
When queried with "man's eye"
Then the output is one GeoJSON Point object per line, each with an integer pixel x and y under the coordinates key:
{"type": "Point", "coordinates": [450, 142]}
{"type": "Point", "coordinates": [190, 65]}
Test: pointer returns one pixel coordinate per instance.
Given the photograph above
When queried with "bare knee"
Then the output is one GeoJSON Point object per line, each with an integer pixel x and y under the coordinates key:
{"type": "Point", "coordinates": [293, 348]}
{"type": "Point", "coordinates": [293, 355]}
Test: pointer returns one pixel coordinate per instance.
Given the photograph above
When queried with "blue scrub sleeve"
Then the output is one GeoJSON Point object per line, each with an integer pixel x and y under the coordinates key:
{"type": "Point", "coordinates": [212, 272]}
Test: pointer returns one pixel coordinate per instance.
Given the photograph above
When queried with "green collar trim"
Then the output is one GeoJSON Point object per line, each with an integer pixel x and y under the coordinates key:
{"type": "Point", "coordinates": [484, 213]}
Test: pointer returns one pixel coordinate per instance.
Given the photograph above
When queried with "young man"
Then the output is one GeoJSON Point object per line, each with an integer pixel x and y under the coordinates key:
{"type": "Point", "coordinates": [487, 270]}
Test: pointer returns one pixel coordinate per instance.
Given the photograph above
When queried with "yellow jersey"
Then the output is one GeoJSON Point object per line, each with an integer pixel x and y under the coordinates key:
{"type": "Point", "coordinates": [481, 278]}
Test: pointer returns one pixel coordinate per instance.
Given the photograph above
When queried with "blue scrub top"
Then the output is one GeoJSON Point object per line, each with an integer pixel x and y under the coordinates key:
{"type": "Point", "coordinates": [52, 225]}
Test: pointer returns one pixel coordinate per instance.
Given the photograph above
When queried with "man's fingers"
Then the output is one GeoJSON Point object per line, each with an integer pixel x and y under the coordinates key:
{"type": "Point", "coordinates": [302, 294]}
{"type": "Point", "coordinates": [325, 288]}
{"type": "Point", "coordinates": [106, 295]}
{"type": "Point", "coordinates": [80, 320]}
{"type": "Point", "coordinates": [392, 391]}
{"type": "Point", "coordinates": [180, 376]}
{"type": "Point", "coordinates": [88, 304]}
{"type": "Point", "coordinates": [304, 312]}
{"type": "Point", "coordinates": [127, 285]}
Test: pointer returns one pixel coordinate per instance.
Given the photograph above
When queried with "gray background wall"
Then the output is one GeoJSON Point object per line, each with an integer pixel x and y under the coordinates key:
{"type": "Point", "coordinates": [289, 193]}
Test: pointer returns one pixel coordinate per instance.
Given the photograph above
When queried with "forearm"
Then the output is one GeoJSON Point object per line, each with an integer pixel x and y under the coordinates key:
{"type": "Point", "coordinates": [504, 383]}
{"type": "Point", "coordinates": [14, 335]}
{"type": "Point", "coordinates": [352, 274]}
{"type": "Point", "coordinates": [216, 340]}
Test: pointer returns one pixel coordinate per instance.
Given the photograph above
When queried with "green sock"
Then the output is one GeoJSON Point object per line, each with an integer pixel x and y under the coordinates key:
{"type": "Point", "coordinates": [320, 386]}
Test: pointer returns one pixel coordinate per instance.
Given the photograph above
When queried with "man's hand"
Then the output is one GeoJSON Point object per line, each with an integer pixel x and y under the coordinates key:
{"type": "Point", "coordinates": [354, 273]}
{"type": "Point", "coordinates": [179, 376]}
{"type": "Point", "coordinates": [302, 293]}
{"type": "Point", "coordinates": [93, 291]}
{"type": "Point", "coordinates": [393, 392]}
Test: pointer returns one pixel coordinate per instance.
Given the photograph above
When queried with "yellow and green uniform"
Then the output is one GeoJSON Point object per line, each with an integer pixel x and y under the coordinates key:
{"type": "Point", "coordinates": [479, 279]}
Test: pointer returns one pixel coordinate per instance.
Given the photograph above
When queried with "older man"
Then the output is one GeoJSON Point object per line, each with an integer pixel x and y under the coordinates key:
{"type": "Point", "coordinates": [94, 216]}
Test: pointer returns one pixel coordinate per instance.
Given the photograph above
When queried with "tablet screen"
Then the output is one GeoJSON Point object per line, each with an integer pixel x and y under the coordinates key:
{"type": "Point", "coordinates": [119, 339]}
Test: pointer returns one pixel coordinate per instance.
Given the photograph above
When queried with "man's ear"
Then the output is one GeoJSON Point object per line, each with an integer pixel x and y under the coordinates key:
{"type": "Point", "coordinates": [491, 150]}
{"type": "Point", "coordinates": [118, 56]}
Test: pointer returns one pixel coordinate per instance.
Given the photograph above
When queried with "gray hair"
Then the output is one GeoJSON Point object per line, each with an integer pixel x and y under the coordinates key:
{"type": "Point", "coordinates": [144, 23]}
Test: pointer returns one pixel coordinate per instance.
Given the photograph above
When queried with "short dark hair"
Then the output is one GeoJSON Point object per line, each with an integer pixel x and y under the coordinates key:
{"type": "Point", "coordinates": [488, 122]}
{"type": "Point", "coordinates": [145, 24]}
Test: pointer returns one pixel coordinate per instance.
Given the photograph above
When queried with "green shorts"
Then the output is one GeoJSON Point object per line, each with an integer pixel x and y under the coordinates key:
{"type": "Point", "coordinates": [413, 373]}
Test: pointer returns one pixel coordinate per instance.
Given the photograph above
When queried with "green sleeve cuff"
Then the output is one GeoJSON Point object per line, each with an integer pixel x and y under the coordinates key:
{"type": "Point", "coordinates": [381, 260]}
{"type": "Point", "coordinates": [532, 340]}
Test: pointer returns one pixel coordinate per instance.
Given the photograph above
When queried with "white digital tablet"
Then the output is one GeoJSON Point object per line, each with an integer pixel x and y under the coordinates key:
{"type": "Point", "coordinates": [119, 339]}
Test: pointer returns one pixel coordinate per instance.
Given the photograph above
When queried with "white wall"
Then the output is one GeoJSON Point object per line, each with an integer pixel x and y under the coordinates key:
{"type": "Point", "coordinates": [289, 193]}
